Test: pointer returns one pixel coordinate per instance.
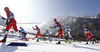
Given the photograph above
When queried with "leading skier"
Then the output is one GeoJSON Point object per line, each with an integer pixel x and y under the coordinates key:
{"type": "Point", "coordinates": [10, 21]}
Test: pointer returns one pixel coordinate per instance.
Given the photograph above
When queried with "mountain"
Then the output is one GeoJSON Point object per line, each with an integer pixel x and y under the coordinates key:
{"type": "Point", "coordinates": [98, 15]}
{"type": "Point", "coordinates": [63, 20]}
{"type": "Point", "coordinates": [75, 23]}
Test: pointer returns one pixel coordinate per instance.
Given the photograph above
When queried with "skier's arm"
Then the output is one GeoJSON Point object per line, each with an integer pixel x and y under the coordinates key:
{"type": "Point", "coordinates": [33, 28]}
{"type": "Point", "coordinates": [69, 29]}
{"type": "Point", "coordinates": [47, 32]}
{"type": "Point", "coordinates": [54, 26]}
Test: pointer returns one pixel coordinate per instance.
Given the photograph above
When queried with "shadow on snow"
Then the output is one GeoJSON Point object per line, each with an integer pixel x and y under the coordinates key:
{"type": "Point", "coordinates": [5, 48]}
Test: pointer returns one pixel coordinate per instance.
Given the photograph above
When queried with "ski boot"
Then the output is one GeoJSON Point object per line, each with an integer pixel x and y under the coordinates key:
{"type": "Point", "coordinates": [44, 39]}
{"type": "Point", "coordinates": [92, 42]}
{"type": "Point", "coordinates": [37, 40]}
{"type": "Point", "coordinates": [50, 41]}
{"type": "Point", "coordinates": [3, 40]}
{"type": "Point", "coordinates": [66, 41]}
{"type": "Point", "coordinates": [26, 39]}
{"type": "Point", "coordinates": [87, 43]}
{"type": "Point", "coordinates": [69, 42]}
{"type": "Point", "coordinates": [22, 38]}
{"type": "Point", "coordinates": [58, 42]}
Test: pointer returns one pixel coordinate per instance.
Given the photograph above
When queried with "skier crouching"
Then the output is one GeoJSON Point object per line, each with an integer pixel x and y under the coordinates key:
{"type": "Point", "coordinates": [57, 24]}
{"type": "Point", "coordinates": [47, 32]}
{"type": "Point", "coordinates": [23, 33]}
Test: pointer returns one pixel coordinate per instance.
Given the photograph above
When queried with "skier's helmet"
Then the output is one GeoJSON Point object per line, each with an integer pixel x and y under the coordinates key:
{"type": "Point", "coordinates": [20, 27]}
{"type": "Point", "coordinates": [84, 25]}
{"type": "Point", "coordinates": [66, 26]}
{"type": "Point", "coordinates": [35, 25]}
{"type": "Point", "coordinates": [6, 8]}
{"type": "Point", "coordinates": [55, 19]}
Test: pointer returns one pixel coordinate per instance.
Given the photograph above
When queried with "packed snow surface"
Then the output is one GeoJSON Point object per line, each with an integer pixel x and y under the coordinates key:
{"type": "Point", "coordinates": [46, 46]}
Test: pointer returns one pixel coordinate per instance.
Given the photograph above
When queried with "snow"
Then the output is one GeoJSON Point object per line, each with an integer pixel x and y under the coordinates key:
{"type": "Point", "coordinates": [46, 46]}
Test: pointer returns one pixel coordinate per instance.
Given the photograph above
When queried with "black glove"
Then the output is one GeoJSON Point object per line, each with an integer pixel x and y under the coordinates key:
{"type": "Point", "coordinates": [3, 18]}
{"type": "Point", "coordinates": [7, 22]}
{"type": "Point", "coordinates": [50, 27]}
{"type": "Point", "coordinates": [24, 33]}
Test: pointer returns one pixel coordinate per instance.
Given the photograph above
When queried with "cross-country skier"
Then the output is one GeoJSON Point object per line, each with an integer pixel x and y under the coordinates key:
{"type": "Point", "coordinates": [38, 32]}
{"type": "Point", "coordinates": [87, 34]}
{"type": "Point", "coordinates": [57, 24]}
{"type": "Point", "coordinates": [23, 33]}
{"type": "Point", "coordinates": [10, 21]}
{"type": "Point", "coordinates": [69, 32]}
{"type": "Point", "coordinates": [47, 32]}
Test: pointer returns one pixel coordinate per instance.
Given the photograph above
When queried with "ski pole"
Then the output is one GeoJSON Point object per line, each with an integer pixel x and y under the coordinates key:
{"type": "Point", "coordinates": [27, 23]}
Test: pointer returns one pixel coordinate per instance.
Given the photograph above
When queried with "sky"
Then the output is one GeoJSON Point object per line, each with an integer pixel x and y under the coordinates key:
{"type": "Point", "coordinates": [43, 10]}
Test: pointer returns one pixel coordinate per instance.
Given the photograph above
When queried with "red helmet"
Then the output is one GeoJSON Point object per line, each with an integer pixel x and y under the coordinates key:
{"type": "Point", "coordinates": [55, 19]}
{"type": "Point", "coordinates": [66, 26]}
{"type": "Point", "coordinates": [35, 25]}
{"type": "Point", "coordinates": [6, 8]}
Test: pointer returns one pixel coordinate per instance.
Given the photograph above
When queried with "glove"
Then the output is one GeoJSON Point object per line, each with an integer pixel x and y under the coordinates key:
{"type": "Point", "coordinates": [33, 27]}
{"type": "Point", "coordinates": [50, 27]}
{"type": "Point", "coordinates": [3, 18]}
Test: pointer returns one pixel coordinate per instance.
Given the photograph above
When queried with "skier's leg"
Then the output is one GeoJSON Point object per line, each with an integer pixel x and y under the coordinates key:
{"type": "Point", "coordinates": [15, 27]}
{"type": "Point", "coordinates": [59, 38]}
{"type": "Point", "coordinates": [49, 37]}
{"type": "Point", "coordinates": [59, 35]}
{"type": "Point", "coordinates": [69, 38]}
{"type": "Point", "coordinates": [90, 37]}
{"type": "Point", "coordinates": [37, 36]}
{"type": "Point", "coordinates": [66, 37]}
{"type": "Point", "coordinates": [86, 37]}
{"type": "Point", "coordinates": [25, 36]}
{"type": "Point", "coordinates": [8, 27]}
{"type": "Point", "coordinates": [61, 32]}
{"type": "Point", "coordinates": [40, 34]}
{"type": "Point", "coordinates": [22, 36]}
{"type": "Point", "coordinates": [6, 33]}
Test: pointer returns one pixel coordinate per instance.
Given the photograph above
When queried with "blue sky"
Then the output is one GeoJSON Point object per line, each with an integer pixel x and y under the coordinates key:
{"type": "Point", "coordinates": [43, 10]}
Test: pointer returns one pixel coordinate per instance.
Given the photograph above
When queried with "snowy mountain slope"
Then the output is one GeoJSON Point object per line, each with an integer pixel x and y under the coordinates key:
{"type": "Point", "coordinates": [98, 15]}
{"type": "Point", "coordinates": [63, 20]}
{"type": "Point", "coordinates": [2, 22]}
